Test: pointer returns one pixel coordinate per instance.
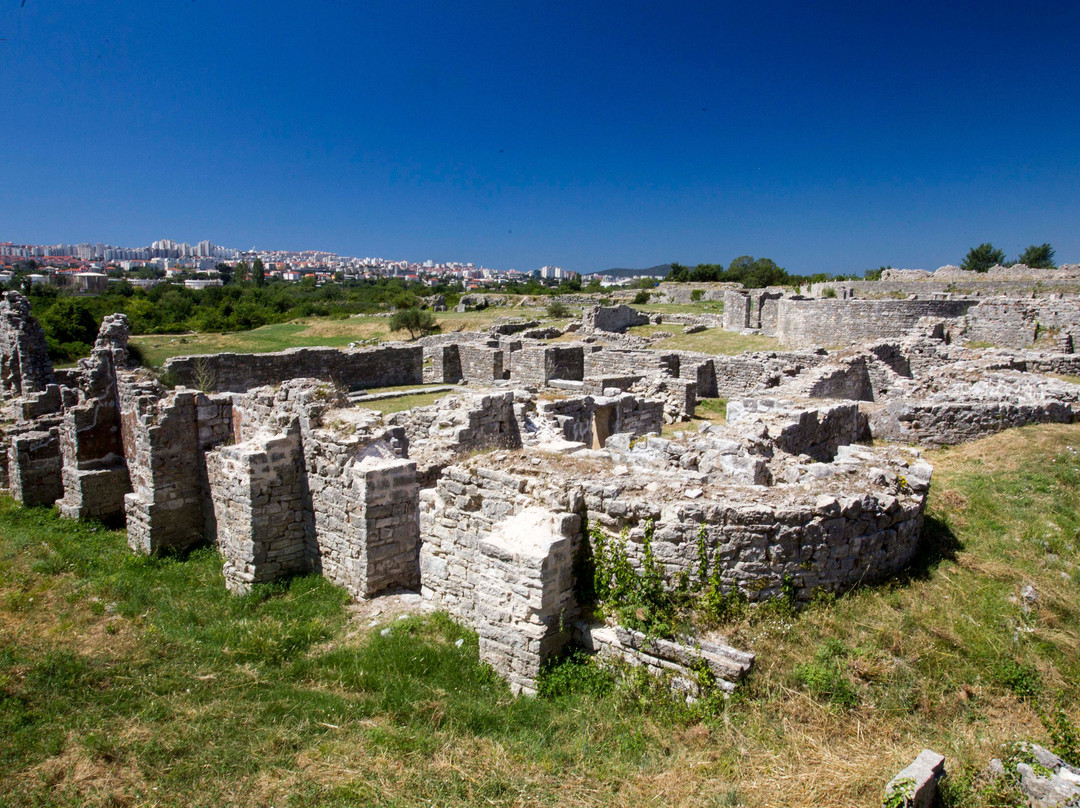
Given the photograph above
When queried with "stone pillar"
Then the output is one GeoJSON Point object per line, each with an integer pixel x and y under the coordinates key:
{"type": "Point", "coordinates": [95, 472]}
{"type": "Point", "coordinates": [525, 604]}
{"type": "Point", "coordinates": [258, 493]}
{"type": "Point", "coordinates": [736, 311]}
{"type": "Point", "coordinates": [165, 509]}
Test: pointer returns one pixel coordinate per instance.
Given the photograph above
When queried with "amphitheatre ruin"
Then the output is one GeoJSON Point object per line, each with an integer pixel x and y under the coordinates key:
{"type": "Point", "coordinates": [482, 501]}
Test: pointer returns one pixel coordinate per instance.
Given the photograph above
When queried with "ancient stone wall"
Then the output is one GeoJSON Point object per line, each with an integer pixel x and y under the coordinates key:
{"type": "Point", "coordinates": [34, 467]}
{"type": "Point", "coordinates": [24, 360]}
{"type": "Point", "coordinates": [536, 365]}
{"type": "Point", "coordinates": [349, 369]}
{"type": "Point", "coordinates": [805, 323]}
{"type": "Point", "coordinates": [612, 318]}
{"type": "Point", "coordinates": [366, 530]}
{"type": "Point", "coordinates": [503, 564]}
{"type": "Point", "coordinates": [480, 364]}
{"type": "Point", "coordinates": [94, 474]}
{"type": "Point", "coordinates": [797, 429]}
{"type": "Point", "coordinates": [750, 373]}
{"type": "Point", "coordinates": [258, 492]}
{"type": "Point", "coordinates": [1018, 323]}
{"type": "Point", "coordinates": [830, 540]}
{"type": "Point", "coordinates": [631, 363]}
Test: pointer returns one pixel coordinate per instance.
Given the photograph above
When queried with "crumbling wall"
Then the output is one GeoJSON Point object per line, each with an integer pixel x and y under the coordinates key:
{"type": "Point", "coordinates": [94, 473]}
{"type": "Point", "coordinates": [831, 540]}
{"type": "Point", "coordinates": [577, 418]}
{"type": "Point", "coordinates": [34, 465]}
{"type": "Point", "coordinates": [481, 364]}
{"type": "Point", "coordinates": [24, 359]}
{"type": "Point", "coordinates": [631, 363]}
{"type": "Point", "coordinates": [966, 411]}
{"type": "Point", "coordinates": [816, 431]}
{"type": "Point", "coordinates": [502, 564]}
{"type": "Point", "coordinates": [170, 506]}
{"type": "Point", "coordinates": [612, 318]}
{"type": "Point", "coordinates": [751, 373]}
{"type": "Point", "coordinates": [350, 369]}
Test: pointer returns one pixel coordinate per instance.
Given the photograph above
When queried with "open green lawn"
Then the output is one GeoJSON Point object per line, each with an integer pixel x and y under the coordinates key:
{"type": "Point", "coordinates": [313, 331]}
{"type": "Point", "coordinates": [134, 681]}
{"type": "Point", "coordinates": [711, 340]}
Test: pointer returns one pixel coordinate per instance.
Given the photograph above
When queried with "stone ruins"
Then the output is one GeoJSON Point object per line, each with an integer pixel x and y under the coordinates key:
{"type": "Point", "coordinates": [483, 500]}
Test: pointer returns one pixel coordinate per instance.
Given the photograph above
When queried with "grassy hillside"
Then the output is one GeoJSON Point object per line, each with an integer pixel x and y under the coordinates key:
{"type": "Point", "coordinates": [132, 681]}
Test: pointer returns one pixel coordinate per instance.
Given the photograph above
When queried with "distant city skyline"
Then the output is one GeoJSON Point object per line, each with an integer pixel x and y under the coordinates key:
{"type": "Point", "coordinates": [831, 137]}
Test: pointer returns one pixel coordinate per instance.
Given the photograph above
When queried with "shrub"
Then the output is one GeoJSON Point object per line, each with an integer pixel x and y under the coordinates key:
{"type": "Point", "coordinates": [557, 310]}
{"type": "Point", "coordinates": [641, 298]}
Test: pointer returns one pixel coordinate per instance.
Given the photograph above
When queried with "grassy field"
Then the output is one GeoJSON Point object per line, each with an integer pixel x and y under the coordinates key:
{"type": "Point", "coordinates": [133, 681]}
{"type": "Point", "coordinates": [711, 340]}
{"type": "Point", "coordinates": [310, 332]}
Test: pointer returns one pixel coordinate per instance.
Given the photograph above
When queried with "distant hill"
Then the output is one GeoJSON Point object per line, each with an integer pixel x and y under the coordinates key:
{"type": "Point", "coordinates": [622, 272]}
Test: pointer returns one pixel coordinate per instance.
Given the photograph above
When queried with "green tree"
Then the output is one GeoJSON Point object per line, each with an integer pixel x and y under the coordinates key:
{"type": "Point", "coordinates": [226, 273]}
{"type": "Point", "coordinates": [258, 272]}
{"type": "Point", "coordinates": [242, 271]}
{"type": "Point", "coordinates": [417, 322]}
{"type": "Point", "coordinates": [1040, 256]}
{"type": "Point", "coordinates": [678, 273]}
{"type": "Point", "coordinates": [981, 258]}
{"type": "Point", "coordinates": [594, 286]}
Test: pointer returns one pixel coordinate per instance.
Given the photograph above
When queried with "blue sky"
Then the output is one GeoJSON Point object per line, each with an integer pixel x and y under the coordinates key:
{"type": "Point", "coordinates": [831, 137]}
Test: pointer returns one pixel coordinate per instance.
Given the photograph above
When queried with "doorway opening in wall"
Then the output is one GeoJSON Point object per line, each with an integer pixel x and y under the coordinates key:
{"type": "Point", "coordinates": [603, 424]}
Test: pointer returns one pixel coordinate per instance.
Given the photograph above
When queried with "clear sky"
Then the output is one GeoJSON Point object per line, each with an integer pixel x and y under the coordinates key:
{"type": "Point", "coordinates": [831, 137]}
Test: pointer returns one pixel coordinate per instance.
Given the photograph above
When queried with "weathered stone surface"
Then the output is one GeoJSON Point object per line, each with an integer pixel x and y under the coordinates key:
{"type": "Point", "coordinates": [916, 785]}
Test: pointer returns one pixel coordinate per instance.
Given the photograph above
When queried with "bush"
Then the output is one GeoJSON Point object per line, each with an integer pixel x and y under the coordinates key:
{"type": "Point", "coordinates": [828, 291]}
{"type": "Point", "coordinates": [557, 310]}
{"type": "Point", "coordinates": [641, 298]}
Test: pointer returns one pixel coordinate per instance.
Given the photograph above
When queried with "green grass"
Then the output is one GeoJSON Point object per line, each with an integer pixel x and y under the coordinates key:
{"type": "Point", "coordinates": [711, 340]}
{"type": "Point", "coordinates": [310, 332]}
{"type": "Point", "coordinates": [402, 403]}
{"type": "Point", "coordinates": [707, 411]}
{"type": "Point", "coordinates": [132, 681]}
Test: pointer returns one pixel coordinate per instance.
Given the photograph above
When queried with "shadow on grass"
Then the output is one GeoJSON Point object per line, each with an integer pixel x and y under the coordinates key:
{"type": "Point", "coordinates": [937, 543]}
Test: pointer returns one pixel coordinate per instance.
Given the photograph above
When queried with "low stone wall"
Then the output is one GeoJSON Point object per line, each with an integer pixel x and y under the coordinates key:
{"type": "Point", "coordinates": [590, 420]}
{"type": "Point", "coordinates": [631, 363]}
{"type": "Point", "coordinates": [945, 420]}
{"type": "Point", "coordinates": [349, 369]}
{"type": "Point", "coordinates": [830, 540]}
{"type": "Point", "coordinates": [751, 373]}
